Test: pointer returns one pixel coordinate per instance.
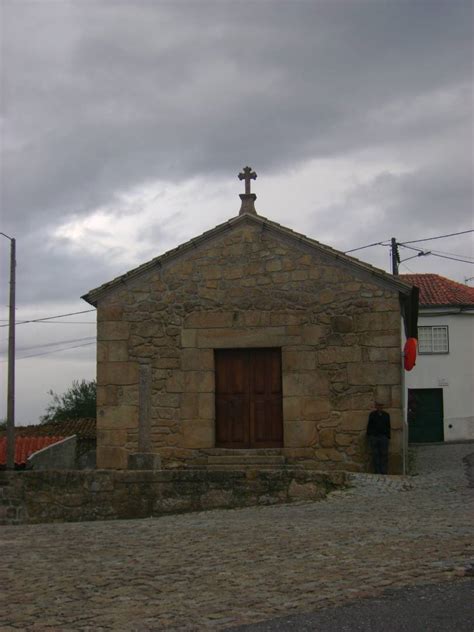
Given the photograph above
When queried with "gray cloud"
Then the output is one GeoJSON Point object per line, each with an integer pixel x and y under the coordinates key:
{"type": "Point", "coordinates": [99, 98]}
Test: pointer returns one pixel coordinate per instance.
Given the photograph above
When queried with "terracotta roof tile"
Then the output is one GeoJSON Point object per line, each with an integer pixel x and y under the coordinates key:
{"type": "Point", "coordinates": [83, 428]}
{"type": "Point", "coordinates": [438, 290]}
{"type": "Point", "coordinates": [25, 447]}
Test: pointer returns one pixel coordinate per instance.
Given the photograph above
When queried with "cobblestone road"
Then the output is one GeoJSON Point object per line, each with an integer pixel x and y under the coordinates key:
{"type": "Point", "coordinates": [219, 569]}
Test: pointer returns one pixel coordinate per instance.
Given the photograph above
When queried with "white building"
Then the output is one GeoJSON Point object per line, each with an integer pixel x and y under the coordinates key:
{"type": "Point", "coordinates": [440, 388]}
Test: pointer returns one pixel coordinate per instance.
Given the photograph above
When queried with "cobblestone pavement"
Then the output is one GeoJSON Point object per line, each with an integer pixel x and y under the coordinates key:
{"type": "Point", "coordinates": [219, 569]}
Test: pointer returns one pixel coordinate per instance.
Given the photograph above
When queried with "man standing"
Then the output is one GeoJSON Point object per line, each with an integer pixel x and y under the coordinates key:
{"type": "Point", "coordinates": [378, 433]}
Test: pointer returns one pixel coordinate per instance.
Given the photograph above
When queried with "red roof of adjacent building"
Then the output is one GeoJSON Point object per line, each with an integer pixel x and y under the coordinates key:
{"type": "Point", "coordinates": [25, 447]}
{"type": "Point", "coordinates": [82, 428]}
{"type": "Point", "coordinates": [438, 290]}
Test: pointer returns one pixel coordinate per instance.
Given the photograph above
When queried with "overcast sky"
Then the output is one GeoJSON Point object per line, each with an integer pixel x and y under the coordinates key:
{"type": "Point", "coordinates": [125, 124]}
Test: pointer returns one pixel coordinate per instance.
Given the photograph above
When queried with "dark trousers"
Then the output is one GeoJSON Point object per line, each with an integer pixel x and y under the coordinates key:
{"type": "Point", "coordinates": [379, 447]}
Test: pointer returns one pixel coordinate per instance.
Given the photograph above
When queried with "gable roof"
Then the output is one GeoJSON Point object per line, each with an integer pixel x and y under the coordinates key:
{"type": "Point", "coordinates": [396, 283]}
{"type": "Point", "coordinates": [436, 290]}
{"type": "Point", "coordinates": [25, 447]}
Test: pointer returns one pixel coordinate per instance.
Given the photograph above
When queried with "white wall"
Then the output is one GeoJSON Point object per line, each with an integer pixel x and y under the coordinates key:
{"type": "Point", "coordinates": [453, 372]}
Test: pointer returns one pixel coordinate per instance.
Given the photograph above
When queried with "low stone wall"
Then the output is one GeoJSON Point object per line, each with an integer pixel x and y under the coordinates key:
{"type": "Point", "coordinates": [60, 456]}
{"type": "Point", "coordinates": [31, 497]}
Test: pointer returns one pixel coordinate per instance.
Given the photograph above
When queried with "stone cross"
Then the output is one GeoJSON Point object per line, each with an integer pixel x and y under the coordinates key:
{"type": "Point", "coordinates": [247, 175]}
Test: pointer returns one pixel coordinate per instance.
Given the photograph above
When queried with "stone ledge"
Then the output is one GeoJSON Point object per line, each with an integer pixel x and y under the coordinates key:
{"type": "Point", "coordinates": [75, 496]}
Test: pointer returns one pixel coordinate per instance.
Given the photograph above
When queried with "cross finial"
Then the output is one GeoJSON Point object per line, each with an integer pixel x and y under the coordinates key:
{"type": "Point", "coordinates": [247, 198]}
{"type": "Point", "coordinates": [247, 175]}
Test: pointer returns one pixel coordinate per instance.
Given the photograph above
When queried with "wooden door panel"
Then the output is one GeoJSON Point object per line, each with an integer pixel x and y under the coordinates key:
{"type": "Point", "coordinates": [266, 419]}
{"type": "Point", "coordinates": [230, 430]}
{"type": "Point", "coordinates": [248, 398]}
{"type": "Point", "coordinates": [231, 398]}
{"type": "Point", "coordinates": [257, 362]}
{"type": "Point", "coordinates": [266, 427]}
{"type": "Point", "coordinates": [237, 410]}
{"type": "Point", "coordinates": [260, 421]}
{"type": "Point", "coordinates": [231, 372]}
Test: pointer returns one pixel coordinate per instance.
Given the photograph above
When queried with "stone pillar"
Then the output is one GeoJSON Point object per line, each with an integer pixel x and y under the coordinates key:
{"type": "Point", "coordinates": [144, 459]}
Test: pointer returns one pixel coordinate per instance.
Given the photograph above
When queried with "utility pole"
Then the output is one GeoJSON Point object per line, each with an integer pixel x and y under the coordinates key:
{"type": "Point", "coordinates": [395, 256]}
{"type": "Point", "coordinates": [11, 360]}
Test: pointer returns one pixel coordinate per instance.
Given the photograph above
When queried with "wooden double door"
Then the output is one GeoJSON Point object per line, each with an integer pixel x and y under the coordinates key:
{"type": "Point", "coordinates": [248, 398]}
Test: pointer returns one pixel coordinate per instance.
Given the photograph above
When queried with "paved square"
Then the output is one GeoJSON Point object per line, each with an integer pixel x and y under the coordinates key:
{"type": "Point", "coordinates": [219, 569]}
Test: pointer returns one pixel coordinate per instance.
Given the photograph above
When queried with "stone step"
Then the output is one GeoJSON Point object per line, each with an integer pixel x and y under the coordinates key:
{"type": "Point", "coordinates": [242, 467]}
{"type": "Point", "coordinates": [242, 452]}
{"type": "Point", "coordinates": [246, 460]}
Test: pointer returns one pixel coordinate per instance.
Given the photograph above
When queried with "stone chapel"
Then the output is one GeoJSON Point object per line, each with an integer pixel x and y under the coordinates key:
{"type": "Point", "coordinates": [250, 343]}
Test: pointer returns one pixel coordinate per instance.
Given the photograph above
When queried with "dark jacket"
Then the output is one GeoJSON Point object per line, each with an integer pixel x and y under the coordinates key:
{"type": "Point", "coordinates": [378, 424]}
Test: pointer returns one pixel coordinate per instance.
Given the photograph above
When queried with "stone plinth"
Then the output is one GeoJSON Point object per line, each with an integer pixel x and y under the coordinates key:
{"type": "Point", "coordinates": [144, 461]}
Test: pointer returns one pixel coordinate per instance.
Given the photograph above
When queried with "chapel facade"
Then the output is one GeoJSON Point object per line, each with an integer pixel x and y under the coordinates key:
{"type": "Point", "coordinates": [253, 338]}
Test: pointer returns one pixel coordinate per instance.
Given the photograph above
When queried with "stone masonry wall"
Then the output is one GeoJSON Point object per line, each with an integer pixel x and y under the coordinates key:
{"type": "Point", "coordinates": [60, 496]}
{"type": "Point", "coordinates": [339, 335]}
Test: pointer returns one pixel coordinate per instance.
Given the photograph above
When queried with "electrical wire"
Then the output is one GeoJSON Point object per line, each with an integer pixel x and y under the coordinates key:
{"type": "Point", "coordinates": [36, 355]}
{"type": "Point", "coordinates": [66, 322]}
{"type": "Point", "coordinates": [436, 254]}
{"type": "Point", "coordinates": [376, 243]}
{"type": "Point", "coordinates": [58, 322]}
{"type": "Point", "coordinates": [414, 241]}
{"type": "Point", "coordinates": [52, 344]}
{"type": "Point", "coordinates": [411, 247]}
{"type": "Point", "coordinates": [453, 254]}
{"type": "Point", "coordinates": [404, 265]}
{"type": "Point", "coordinates": [453, 259]}
{"type": "Point", "coordinates": [39, 320]}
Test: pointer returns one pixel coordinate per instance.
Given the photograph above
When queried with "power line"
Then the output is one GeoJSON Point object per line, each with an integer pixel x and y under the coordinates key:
{"type": "Point", "coordinates": [411, 247]}
{"type": "Point", "coordinates": [387, 243]}
{"type": "Point", "coordinates": [404, 265]}
{"type": "Point", "coordinates": [36, 355]}
{"type": "Point", "coordinates": [463, 232]}
{"type": "Point", "coordinates": [376, 243]}
{"type": "Point", "coordinates": [453, 254]}
{"type": "Point", "coordinates": [66, 322]}
{"type": "Point", "coordinates": [436, 253]}
{"type": "Point", "coordinates": [39, 320]}
{"type": "Point", "coordinates": [53, 344]}
{"type": "Point", "coordinates": [60, 322]}
{"type": "Point", "coordinates": [453, 259]}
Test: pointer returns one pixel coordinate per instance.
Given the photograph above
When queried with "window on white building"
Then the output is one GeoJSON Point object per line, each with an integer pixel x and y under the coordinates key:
{"type": "Point", "coordinates": [433, 339]}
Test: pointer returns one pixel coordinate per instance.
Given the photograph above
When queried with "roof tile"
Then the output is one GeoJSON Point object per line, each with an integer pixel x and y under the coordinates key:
{"type": "Point", "coordinates": [83, 428]}
{"type": "Point", "coordinates": [25, 447]}
{"type": "Point", "coordinates": [440, 291]}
